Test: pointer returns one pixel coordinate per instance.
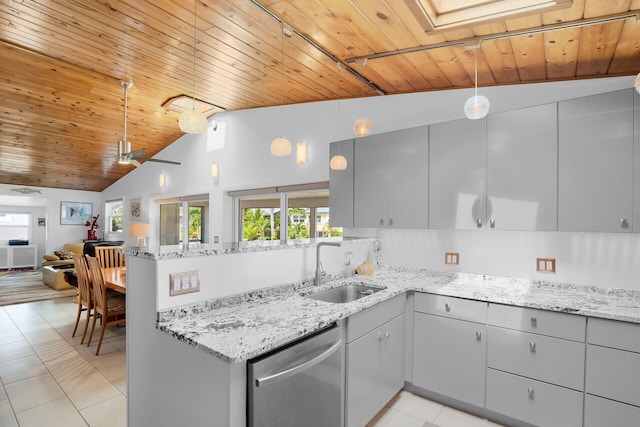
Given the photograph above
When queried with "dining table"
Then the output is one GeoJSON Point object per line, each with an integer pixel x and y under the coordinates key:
{"type": "Point", "coordinates": [116, 278]}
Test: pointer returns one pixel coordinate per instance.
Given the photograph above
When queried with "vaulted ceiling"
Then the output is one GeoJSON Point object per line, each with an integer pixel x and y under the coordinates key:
{"type": "Point", "coordinates": [62, 106]}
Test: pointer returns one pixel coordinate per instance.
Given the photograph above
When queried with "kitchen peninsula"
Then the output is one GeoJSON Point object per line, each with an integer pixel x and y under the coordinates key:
{"type": "Point", "coordinates": [190, 365]}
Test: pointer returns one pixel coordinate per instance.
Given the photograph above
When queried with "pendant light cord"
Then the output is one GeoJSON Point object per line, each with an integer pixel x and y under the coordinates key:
{"type": "Point", "coordinates": [476, 73]}
{"type": "Point", "coordinates": [281, 77]}
{"type": "Point", "coordinates": [195, 51]}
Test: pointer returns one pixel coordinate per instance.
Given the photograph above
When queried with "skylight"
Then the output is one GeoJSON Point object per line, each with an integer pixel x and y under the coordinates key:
{"type": "Point", "coordinates": [440, 15]}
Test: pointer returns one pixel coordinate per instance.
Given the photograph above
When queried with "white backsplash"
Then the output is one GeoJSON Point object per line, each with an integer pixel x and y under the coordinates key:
{"type": "Point", "coordinates": [610, 260]}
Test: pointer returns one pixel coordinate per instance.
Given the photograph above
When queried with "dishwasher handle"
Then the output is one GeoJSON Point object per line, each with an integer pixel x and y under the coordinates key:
{"type": "Point", "coordinates": [262, 382]}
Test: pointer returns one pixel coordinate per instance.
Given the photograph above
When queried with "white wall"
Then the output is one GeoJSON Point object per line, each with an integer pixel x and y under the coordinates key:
{"type": "Point", "coordinates": [54, 234]}
{"type": "Point", "coordinates": [245, 162]}
{"type": "Point", "coordinates": [223, 275]}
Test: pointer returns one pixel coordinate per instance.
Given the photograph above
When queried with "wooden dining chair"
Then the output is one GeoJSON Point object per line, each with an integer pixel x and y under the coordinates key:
{"type": "Point", "coordinates": [110, 309]}
{"type": "Point", "coordinates": [110, 256]}
{"type": "Point", "coordinates": [85, 299]}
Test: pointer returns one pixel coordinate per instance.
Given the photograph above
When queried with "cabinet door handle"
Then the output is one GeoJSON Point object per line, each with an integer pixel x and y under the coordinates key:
{"type": "Point", "coordinates": [387, 335]}
{"type": "Point", "coordinates": [534, 322]}
{"type": "Point", "coordinates": [447, 307]}
{"type": "Point", "coordinates": [624, 223]}
{"type": "Point", "coordinates": [479, 222]}
{"type": "Point", "coordinates": [379, 338]}
{"type": "Point", "coordinates": [532, 347]}
{"type": "Point", "coordinates": [381, 221]}
{"type": "Point", "coordinates": [478, 336]}
{"type": "Point", "coordinates": [390, 221]}
{"type": "Point", "coordinates": [531, 393]}
{"type": "Point", "coordinates": [492, 223]}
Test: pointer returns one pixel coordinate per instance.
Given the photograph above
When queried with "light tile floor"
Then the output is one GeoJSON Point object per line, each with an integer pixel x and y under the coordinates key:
{"type": "Point", "coordinates": [409, 410]}
{"type": "Point", "coordinates": [49, 378]}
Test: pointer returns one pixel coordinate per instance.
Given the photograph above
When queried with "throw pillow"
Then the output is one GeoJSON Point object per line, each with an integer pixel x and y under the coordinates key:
{"type": "Point", "coordinates": [49, 257]}
{"type": "Point", "coordinates": [64, 254]}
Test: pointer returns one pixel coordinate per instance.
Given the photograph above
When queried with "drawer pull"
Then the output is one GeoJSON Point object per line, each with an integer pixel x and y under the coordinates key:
{"type": "Point", "coordinates": [531, 393]}
{"type": "Point", "coordinates": [478, 336]}
{"type": "Point", "coordinates": [534, 322]}
{"type": "Point", "coordinates": [447, 307]}
{"type": "Point", "coordinates": [532, 347]}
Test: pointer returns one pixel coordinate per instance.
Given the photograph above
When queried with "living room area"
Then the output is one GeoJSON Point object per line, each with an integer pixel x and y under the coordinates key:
{"type": "Point", "coordinates": [48, 376]}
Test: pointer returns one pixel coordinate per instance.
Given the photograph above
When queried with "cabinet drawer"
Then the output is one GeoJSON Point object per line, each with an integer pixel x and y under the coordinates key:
{"type": "Point", "coordinates": [548, 359]}
{"type": "Point", "coordinates": [614, 374]}
{"type": "Point", "coordinates": [615, 334]}
{"type": "Point", "coordinates": [600, 412]}
{"type": "Point", "coordinates": [369, 319]}
{"type": "Point", "coordinates": [450, 357]}
{"type": "Point", "coordinates": [532, 401]}
{"type": "Point", "coordinates": [457, 308]}
{"type": "Point", "coordinates": [551, 323]}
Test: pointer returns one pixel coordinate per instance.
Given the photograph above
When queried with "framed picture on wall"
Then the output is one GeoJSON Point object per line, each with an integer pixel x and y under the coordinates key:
{"type": "Point", "coordinates": [135, 209]}
{"type": "Point", "coordinates": [75, 213]}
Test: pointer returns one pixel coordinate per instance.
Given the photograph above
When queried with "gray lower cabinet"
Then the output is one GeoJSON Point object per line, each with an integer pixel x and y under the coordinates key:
{"type": "Point", "coordinates": [535, 402]}
{"type": "Point", "coordinates": [537, 377]}
{"type": "Point", "coordinates": [375, 359]}
{"type": "Point", "coordinates": [450, 347]}
{"type": "Point", "coordinates": [612, 382]}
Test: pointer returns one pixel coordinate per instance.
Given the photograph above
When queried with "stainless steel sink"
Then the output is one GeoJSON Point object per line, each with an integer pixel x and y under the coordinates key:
{"type": "Point", "coordinates": [346, 293]}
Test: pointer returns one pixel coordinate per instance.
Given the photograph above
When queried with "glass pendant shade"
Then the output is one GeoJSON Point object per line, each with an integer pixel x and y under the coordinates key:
{"type": "Point", "coordinates": [476, 107]}
{"type": "Point", "coordinates": [338, 163]}
{"type": "Point", "coordinates": [280, 147]}
{"type": "Point", "coordinates": [193, 121]}
{"type": "Point", "coordinates": [362, 127]}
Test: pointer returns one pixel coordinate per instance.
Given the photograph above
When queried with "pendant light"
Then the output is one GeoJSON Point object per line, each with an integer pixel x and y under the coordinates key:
{"type": "Point", "coordinates": [338, 162]}
{"type": "Point", "coordinates": [281, 146]}
{"type": "Point", "coordinates": [477, 106]}
{"type": "Point", "coordinates": [193, 121]}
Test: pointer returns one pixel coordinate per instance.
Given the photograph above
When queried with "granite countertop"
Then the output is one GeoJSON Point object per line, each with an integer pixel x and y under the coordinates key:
{"type": "Point", "coordinates": [242, 327]}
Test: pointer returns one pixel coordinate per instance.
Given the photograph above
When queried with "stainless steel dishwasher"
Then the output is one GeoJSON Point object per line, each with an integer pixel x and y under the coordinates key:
{"type": "Point", "coordinates": [300, 384]}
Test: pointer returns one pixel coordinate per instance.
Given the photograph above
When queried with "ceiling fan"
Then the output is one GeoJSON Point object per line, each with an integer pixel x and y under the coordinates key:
{"type": "Point", "coordinates": [125, 155]}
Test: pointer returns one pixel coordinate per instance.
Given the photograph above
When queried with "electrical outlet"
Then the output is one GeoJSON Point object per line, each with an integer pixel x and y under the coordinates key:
{"type": "Point", "coordinates": [546, 265]}
{"type": "Point", "coordinates": [184, 283]}
{"type": "Point", "coordinates": [452, 258]}
{"type": "Point", "coordinates": [348, 258]}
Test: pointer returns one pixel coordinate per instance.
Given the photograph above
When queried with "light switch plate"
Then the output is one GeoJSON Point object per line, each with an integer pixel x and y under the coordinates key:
{"type": "Point", "coordinates": [348, 258]}
{"type": "Point", "coordinates": [184, 283]}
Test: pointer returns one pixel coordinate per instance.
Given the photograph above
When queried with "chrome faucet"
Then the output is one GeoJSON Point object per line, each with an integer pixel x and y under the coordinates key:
{"type": "Point", "coordinates": [319, 270]}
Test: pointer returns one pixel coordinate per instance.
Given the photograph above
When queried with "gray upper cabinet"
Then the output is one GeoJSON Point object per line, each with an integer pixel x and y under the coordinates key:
{"type": "Point", "coordinates": [457, 179]}
{"type": "Point", "coordinates": [522, 164]}
{"type": "Point", "coordinates": [341, 186]}
{"type": "Point", "coordinates": [391, 179]}
{"type": "Point", "coordinates": [596, 163]}
{"type": "Point", "coordinates": [636, 174]}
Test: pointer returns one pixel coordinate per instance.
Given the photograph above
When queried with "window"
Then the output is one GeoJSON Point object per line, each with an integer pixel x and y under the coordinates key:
{"type": "Point", "coordinates": [113, 221]}
{"type": "Point", "coordinates": [173, 221]}
{"type": "Point", "coordinates": [14, 225]}
{"type": "Point", "coordinates": [259, 214]}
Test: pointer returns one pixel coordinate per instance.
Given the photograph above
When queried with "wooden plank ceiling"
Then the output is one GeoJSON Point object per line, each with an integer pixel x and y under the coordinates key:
{"type": "Point", "coordinates": [62, 107]}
